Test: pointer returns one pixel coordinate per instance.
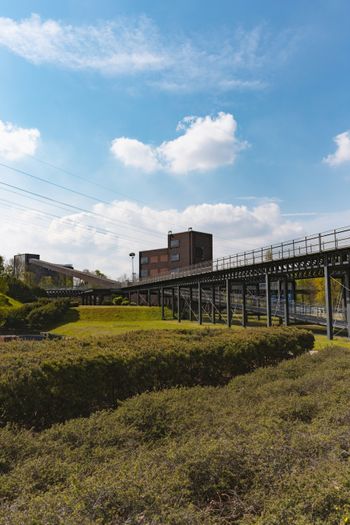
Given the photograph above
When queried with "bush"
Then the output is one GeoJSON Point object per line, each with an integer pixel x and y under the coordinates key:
{"type": "Point", "coordinates": [120, 300]}
{"type": "Point", "coordinates": [39, 315]}
{"type": "Point", "coordinates": [194, 456]}
{"type": "Point", "coordinates": [56, 381]}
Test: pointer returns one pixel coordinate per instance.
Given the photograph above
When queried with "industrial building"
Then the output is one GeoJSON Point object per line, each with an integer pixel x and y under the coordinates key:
{"type": "Point", "coordinates": [38, 275]}
{"type": "Point", "coordinates": [184, 249]}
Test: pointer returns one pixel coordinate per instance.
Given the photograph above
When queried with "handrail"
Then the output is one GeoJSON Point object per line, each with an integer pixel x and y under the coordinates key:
{"type": "Point", "coordinates": [311, 244]}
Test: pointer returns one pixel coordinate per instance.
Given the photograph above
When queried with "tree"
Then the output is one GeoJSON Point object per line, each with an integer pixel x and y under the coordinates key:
{"type": "Point", "coordinates": [100, 274]}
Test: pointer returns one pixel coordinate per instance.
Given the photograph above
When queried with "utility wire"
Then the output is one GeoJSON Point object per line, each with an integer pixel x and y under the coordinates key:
{"type": "Point", "coordinates": [41, 179]}
{"type": "Point", "coordinates": [64, 219]}
{"type": "Point", "coordinates": [76, 208]}
{"type": "Point", "coordinates": [98, 185]}
{"type": "Point", "coordinates": [97, 229]}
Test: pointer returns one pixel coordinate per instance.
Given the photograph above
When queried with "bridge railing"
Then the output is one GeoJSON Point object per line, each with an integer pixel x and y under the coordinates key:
{"type": "Point", "coordinates": [310, 244]}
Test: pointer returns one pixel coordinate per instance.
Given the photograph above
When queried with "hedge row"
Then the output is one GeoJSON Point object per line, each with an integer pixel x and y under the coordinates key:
{"type": "Point", "coordinates": [38, 315]}
{"type": "Point", "coordinates": [270, 448]}
{"type": "Point", "coordinates": [44, 383]}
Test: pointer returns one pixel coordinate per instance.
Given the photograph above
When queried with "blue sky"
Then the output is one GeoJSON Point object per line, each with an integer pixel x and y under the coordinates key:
{"type": "Point", "coordinates": [227, 116]}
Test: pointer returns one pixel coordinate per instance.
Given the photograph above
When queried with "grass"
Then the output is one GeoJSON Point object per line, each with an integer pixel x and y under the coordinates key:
{"type": "Point", "coordinates": [8, 302]}
{"type": "Point", "coordinates": [87, 321]}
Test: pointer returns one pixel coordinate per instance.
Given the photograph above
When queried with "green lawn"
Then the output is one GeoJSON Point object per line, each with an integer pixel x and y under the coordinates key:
{"type": "Point", "coordinates": [86, 321]}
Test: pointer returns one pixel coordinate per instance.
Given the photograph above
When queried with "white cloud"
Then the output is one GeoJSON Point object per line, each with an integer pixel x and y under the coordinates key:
{"type": "Point", "coordinates": [122, 46]}
{"type": "Point", "coordinates": [342, 153]}
{"type": "Point", "coordinates": [206, 143]}
{"type": "Point", "coordinates": [235, 228]}
{"type": "Point", "coordinates": [116, 47]}
{"type": "Point", "coordinates": [132, 152]}
{"type": "Point", "coordinates": [16, 142]}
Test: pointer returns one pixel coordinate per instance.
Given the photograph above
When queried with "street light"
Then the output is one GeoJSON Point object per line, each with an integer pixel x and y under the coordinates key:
{"type": "Point", "coordinates": [132, 255]}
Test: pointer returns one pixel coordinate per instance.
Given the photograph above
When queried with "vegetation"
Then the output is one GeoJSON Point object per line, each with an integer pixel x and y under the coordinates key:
{"type": "Point", "coordinates": [39, 315]}
{"type": "Point", "coordinates": [315, 290]}
{"type": "Point", "coordinates": [54, 381]}
{"type": "Point", "coordinates": [97, 321]}
{"type": "Point", "coordinates": [270, 448]}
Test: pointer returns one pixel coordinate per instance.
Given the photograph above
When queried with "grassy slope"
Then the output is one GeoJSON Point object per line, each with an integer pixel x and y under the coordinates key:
{"type": "Point", "coordinates": [88, 321]}
{"type": "Point", "coordinates": [13, 302]}
{"type": "Point", "coordinates": [271, 448]}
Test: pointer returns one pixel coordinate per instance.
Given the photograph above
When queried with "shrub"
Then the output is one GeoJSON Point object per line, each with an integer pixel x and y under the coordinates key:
{"type": "Point", "coordinates": [65, 379]}
{"type": "Point", "coordinates": [201, 455]}
{"type": "Point", "coordinates": [39, 315]}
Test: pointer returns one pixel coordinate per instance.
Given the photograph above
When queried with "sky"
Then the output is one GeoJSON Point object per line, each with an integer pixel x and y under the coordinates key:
{"type": "Point", "coordinates": [121, 120]}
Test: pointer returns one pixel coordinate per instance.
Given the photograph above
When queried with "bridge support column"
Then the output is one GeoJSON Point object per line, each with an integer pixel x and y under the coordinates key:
{"type": "Point", "coordinates": [162, 302]}
{"type": "Point", "coordinates": [190, 307]}
{"type": "Point", "coordinates": [179, 304]}
{"type": "Point", "coordinates": [347, 300]}
{"type": "Point", "coordinates": [149, 297]}
{"type": "Point", "coordinates": [244, 304]}
{"type": "Point", "coordinates": [228, 302]}
{"type": "Point", "coordinates": [173, 302]}
{"type": "Point", "coordinates": [294, 295]}
{"type": "Point", "coordinates": [328, 297]}
{"type": "Point", "coordinates": [286, 302]}
{"type": "Point", "coordinates": [200, 316]}
{"type": "Point", "coordinates": [257, 293]}
{"type": "Point", "coordinates": [268, 300]}
{"type": "Point", "coordinates": [213, 319]}
{"type": "Point", "coordinates": [138, 298]}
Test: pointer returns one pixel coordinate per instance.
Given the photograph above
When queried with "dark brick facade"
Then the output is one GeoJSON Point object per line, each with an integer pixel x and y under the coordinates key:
{"type": "Point", "coordinates": [184, 249]}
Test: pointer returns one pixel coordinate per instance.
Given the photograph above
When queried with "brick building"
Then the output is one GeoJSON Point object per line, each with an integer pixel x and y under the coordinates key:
{"type": "Point", "coordinates": [184, 249]}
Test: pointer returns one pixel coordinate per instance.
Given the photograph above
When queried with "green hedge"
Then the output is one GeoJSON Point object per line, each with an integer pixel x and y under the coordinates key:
{"type": "Point", "coordinates": [38, 315]}
{"type": "Point", "coordinates": [269, 448]}
{"type": "Point", "coordinates": [54, 381]}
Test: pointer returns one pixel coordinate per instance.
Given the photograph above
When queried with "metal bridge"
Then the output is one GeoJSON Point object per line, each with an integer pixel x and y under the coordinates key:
{"type": "Point", "coordinates": [274, 267]}
{"type": "Point", "coordinates": [259, 282]}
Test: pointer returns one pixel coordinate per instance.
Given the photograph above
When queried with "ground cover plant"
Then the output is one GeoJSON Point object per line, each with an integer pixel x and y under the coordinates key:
{"type": "Point", "coordinates": [46, 382]}
{"type": "Point", "coordinates": [270, 448]}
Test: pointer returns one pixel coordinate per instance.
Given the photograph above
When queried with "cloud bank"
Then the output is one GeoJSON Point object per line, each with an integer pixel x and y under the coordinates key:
{"type": "Point", "coordinates": [206, 143]}
{"type": "Point", "coordinates": [16, 142]}
{"type": "Point", "coordinates": [342, 153]}
{"type": "Point", "coordinates": [235, 228]}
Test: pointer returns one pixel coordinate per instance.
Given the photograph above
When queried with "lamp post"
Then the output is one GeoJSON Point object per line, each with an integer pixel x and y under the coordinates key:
{"type": "Point", "coordinates": [132, 255]}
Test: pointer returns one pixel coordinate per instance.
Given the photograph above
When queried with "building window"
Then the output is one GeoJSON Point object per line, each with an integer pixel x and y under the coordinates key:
{"type": "Point", "coordinates": [174, 243]}
{"type": "Point", "coordinates": [144, 259]}
{"type": "Point", "coordinates": [144, 273]}
{"type": "Point", "coordinates": [175, 270]}
{"type": "Point", "coordinates": [175, 257]}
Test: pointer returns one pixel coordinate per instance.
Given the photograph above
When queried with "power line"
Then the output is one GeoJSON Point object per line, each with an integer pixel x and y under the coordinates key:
{"type": "Point", "coordinates": [65, 219]}
{"type": "Point", "coordinates": [87, 196]}
{"type": "Point", "coordinates": [75, 208]}
{"type": "Point", "coordinates": [96, 229]}
{"type": "Point", "coordinates": [98, 185]}
{"type": "Point", "coordinates": [70, 173]}
{"type": "Point", "coordinates": [41, 179]}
